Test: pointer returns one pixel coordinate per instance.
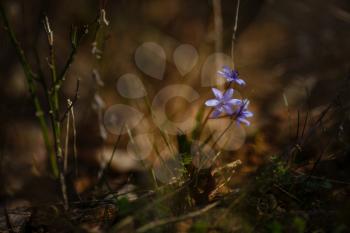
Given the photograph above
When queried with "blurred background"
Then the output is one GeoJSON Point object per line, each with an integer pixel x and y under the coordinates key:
{"type": "Point", "coordinates": [293, 54]}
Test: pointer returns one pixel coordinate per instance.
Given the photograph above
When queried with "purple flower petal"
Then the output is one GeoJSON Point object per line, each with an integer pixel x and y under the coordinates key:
{"type": "Point", "coordinates": [240, 82]}
{"type": "Point", "coordinates": [228, 94]}
{"type": "Point", "coordinates": [248, 114]}
{"type": "Point", "coordinates": [234, 102]}
{"type": "Point", "coordinates": [228, 109]}
{"type": "Point", "coordinates": [217, 93]}
{"type": "Point", "coordinates": [244, 121]}
{"type": "Point", "coordinates": [212, 102]}
{"type": "Point", "coordinates": [231, 75]}
{"type": "Point", "coordinates": [215, 114]}
{"type": "Point", "coordinates": [221, 73]}
{"type": "Point", "coordinates": [242, 113]}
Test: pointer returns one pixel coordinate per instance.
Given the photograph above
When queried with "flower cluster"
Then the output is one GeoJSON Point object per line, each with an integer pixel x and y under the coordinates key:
{"type": "Point", "coordinates": [224, 103]}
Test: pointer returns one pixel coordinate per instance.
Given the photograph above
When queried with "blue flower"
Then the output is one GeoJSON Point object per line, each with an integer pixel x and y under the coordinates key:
{"type": "Point", "coordinates": [242, 113]}
{"type": "Point", "coordinates": [231, 75]}
{"type": "Point", "coordinates": [223, 102]}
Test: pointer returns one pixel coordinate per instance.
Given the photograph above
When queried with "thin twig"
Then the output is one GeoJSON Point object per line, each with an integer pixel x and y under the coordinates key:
{"type": "Point", "coordinates": [287, 193]}
{"type": "Point", "coordinates": [65, 165]}
{"type": "Point", "coordinates": [318, 160]}
{"type": "Point", "coordinates": [162, 222]}
{"type": "Point", "coordinates": [75, 153]}
{"type": "Point", "coordinates": [107, 168]}
{"type": "Point", "coordinates": [318, 122]}
{"type": "Point", "coordinates": [323, 178]}
{"type": "Point", "coordinates": [232, 204]}
{"type": "Point", "coordinates": [307, 112]}
{"type": "Point", "coordinates": [223, 132]}
{"type": "Point", "coordinates": [305, 124]}
{"type": "Point", "coordinates": [72, 103]}
{"type": "Point", "coordinates": [234, 34]}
